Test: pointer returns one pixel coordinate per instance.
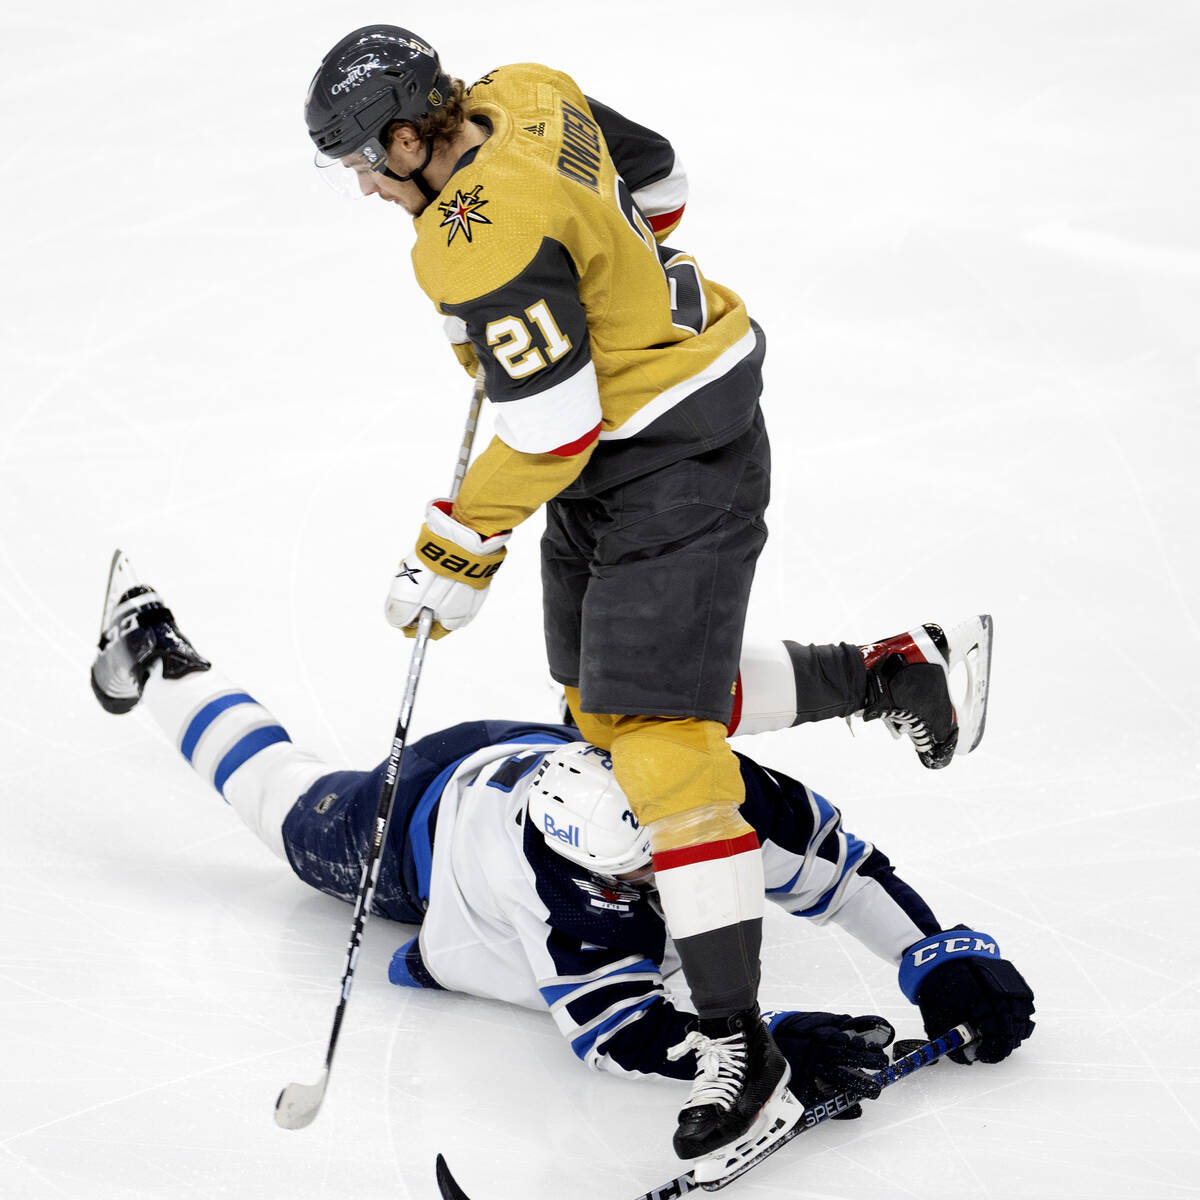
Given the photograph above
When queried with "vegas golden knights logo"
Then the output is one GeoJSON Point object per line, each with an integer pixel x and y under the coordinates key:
{"type": "Point", "coordinates": [462, 212]}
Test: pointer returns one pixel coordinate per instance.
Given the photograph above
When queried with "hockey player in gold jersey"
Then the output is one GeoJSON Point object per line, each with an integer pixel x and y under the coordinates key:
{"type": "Point", "coordinates": [626, 393]}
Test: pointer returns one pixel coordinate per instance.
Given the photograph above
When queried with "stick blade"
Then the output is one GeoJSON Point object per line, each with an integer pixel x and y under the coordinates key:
{"type": "Point", "coordinates": [446, 1182]}
{"type": "Point", "coordinates": [299, 1103]}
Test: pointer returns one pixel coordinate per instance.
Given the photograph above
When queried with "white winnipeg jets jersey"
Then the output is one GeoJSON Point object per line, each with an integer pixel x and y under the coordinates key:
{"type": "Point", "coordinates": [508, 918]}
{"type": "Point", "coordinates": [486, 927]}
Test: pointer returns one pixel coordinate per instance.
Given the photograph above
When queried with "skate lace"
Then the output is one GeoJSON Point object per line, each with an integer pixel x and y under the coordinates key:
{"type": "Point", "coordinates": [720, 1067]}
{"type": "Point", "coordinates": [901, 722]}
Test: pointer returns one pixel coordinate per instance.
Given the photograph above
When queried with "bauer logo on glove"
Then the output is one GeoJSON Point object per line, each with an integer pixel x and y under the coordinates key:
{"type": "Point", "coordinates": [445, 562]}
{"type": "Point", "coordinates": [447, 573]}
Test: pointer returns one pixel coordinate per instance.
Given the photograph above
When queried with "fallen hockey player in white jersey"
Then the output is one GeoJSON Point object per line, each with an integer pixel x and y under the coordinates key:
{"type": "Point", "coordinates": [513, 849]}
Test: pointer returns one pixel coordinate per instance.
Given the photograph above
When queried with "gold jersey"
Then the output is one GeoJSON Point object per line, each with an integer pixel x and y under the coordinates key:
{"type": "Point", "coordinates": [587, 328]}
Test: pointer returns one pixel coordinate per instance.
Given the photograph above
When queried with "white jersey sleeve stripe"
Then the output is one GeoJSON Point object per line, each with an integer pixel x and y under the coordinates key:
{"type": "Point", "coordinates": [651, 975]}
{"type": "Point", "coordinates": [665, 195]}
{"type": "Point", "coordinates": [666, 400]}
{"type": "Point", "coordinates": [559, 986]}
{"type": "Point", "coordinates": [783, 869]}
{"type": "Point", "coordinates": [544, 421]}
{"type": "Point", "coordinates": [584, 1043]}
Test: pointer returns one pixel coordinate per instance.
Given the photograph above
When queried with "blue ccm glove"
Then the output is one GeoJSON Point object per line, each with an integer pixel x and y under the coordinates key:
{"type": "Point", "coordinates": [831, 1053]}
{"type": "Point", "coordinates": [957, 977]}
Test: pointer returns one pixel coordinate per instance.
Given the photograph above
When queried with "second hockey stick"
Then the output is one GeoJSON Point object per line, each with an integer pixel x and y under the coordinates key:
{"type": "Point", "coordinates": [299, 1103]}
{"type": "Point", "coordinates": [826, 1110]}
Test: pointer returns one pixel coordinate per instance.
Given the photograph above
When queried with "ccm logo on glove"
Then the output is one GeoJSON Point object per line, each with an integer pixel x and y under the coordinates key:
{"type": "Point", "coordinates": [957, 977]}
{"type": "Point", "coordinates": [955, 945]}
{"type": "Point", "coordinates": [920, 959]}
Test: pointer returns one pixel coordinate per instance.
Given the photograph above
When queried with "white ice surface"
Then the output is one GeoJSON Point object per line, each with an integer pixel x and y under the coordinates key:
{"type": "Point", "coordinates": [972, 234]}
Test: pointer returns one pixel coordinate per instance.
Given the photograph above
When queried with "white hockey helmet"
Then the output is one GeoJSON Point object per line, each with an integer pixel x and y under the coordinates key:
{"type": "Point", "coordinates": [582, 813]}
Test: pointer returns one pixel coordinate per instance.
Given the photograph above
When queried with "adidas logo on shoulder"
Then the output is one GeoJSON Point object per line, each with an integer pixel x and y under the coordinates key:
{"type": "Point", "coordinates": [539, 128]}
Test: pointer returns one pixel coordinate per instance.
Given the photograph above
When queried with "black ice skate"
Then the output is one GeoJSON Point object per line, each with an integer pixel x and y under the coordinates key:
{"type": "Point", "coordinates": [136, 631]}
{"type": "Point", "coordinates": [740, 1102]}
{"type": "Point", "coordinates": [908, 687]}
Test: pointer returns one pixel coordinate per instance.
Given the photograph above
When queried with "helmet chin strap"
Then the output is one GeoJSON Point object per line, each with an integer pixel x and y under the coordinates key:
{"type": "Point", "coordinates": [417, 175]}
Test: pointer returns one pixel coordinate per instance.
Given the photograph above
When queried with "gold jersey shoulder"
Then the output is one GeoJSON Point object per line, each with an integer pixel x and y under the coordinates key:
{"type": "Point", "coordinates": [490, 220]}
{"type": "Point", "coordinates": [545, 178]}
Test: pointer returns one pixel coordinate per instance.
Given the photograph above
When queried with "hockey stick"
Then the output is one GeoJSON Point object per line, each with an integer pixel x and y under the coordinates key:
{"type": "Point", "coordinates": [299, 1103]}
{"type": "Point", "coordinates": [928, 1053]}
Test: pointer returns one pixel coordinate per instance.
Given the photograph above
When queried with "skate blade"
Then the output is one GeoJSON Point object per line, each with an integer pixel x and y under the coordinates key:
{"type": "Point", "coordinates": [120, 579]}
{"type": "Point", "coordinates": [970, 645]}
{"type": "Point", "coordinates": [770, 1132]}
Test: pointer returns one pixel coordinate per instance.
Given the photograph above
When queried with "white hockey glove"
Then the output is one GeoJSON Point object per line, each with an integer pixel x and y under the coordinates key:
{"type": "Point", "coordinates": [448, 572]}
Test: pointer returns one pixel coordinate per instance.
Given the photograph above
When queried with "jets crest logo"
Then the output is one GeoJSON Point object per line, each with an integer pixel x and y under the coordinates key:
{"type": "Point", "coordinates": [614, 899]}
{"type": "Point", "coordinates": [462, 212]}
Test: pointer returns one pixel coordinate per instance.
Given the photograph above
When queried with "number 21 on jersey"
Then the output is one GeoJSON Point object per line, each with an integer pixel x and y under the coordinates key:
{"type": "Point", "coordinates": [512, 342]}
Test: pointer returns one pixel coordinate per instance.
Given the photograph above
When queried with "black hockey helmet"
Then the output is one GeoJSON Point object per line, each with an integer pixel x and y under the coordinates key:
{"type": "Point", "coordinates": [372, 77]}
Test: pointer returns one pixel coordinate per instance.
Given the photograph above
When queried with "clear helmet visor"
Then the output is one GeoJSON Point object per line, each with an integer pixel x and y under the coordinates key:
{"type": "Point", "coordinates": [350, 176]}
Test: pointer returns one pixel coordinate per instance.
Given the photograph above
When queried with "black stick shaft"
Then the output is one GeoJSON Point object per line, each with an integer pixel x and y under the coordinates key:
{"type": "Point", "coordinates": [387, 793]}
{"type": "Point", "coordinates": [383, 818]}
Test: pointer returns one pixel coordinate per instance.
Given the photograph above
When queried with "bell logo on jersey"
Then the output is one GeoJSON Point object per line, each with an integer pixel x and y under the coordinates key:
{"type": "Point", "coordinates": [463, 211]}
